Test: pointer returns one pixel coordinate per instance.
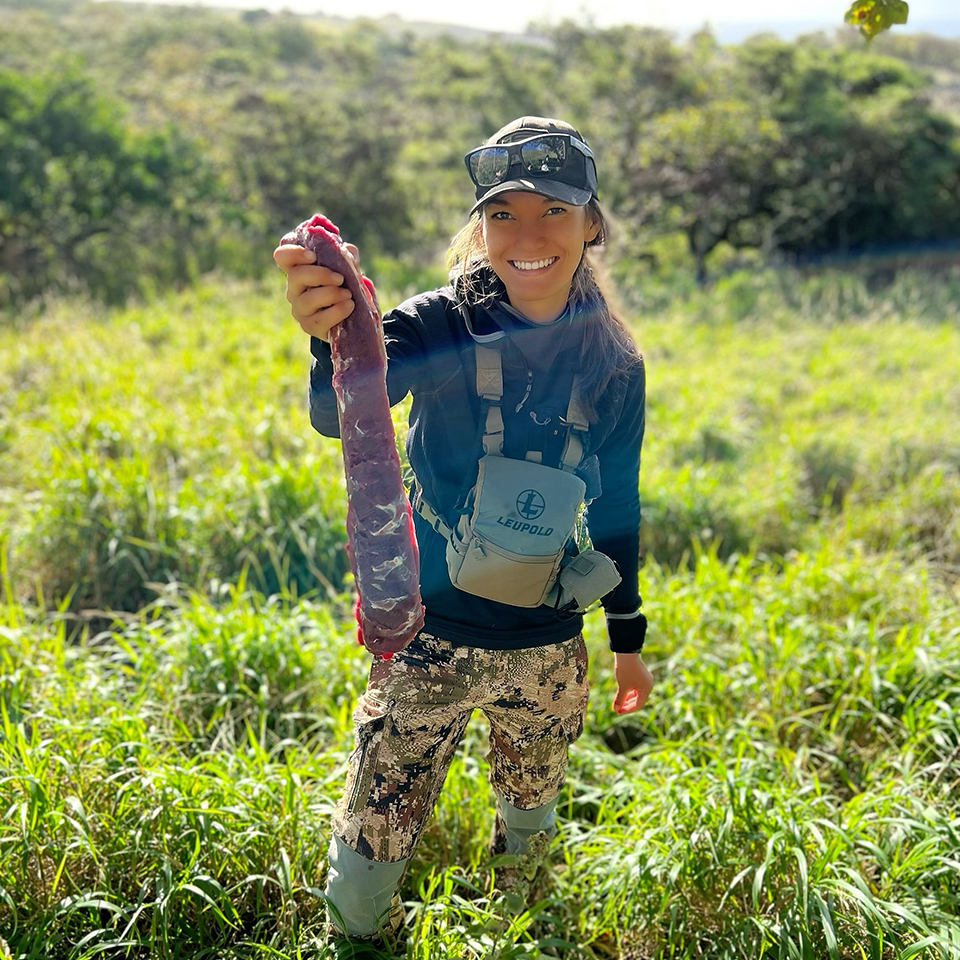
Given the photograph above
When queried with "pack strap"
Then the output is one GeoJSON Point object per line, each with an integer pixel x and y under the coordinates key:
{"type": "Point", "coordinates": [427, 512]}
{"type": "Point", "coordinates": [489, 372]}
{"type": "Point", "coordinates": [490, 391]}
{"type": "Point", "coordinates": [579, 427]}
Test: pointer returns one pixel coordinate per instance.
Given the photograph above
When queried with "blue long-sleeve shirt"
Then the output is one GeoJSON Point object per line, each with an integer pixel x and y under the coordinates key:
{"type": "Point", "coordinates": [430, 352]}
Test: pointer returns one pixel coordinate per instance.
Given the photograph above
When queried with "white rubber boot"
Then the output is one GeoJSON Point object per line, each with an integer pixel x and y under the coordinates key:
{"type": "Point", "coordinates": [525, 836]}
{"type": "Point", "coordinates": [361, 892]}
{"type": "Point", "coordinates": [520, 826]}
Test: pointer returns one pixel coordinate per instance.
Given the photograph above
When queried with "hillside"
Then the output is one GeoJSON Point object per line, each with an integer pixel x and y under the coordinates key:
{"type": "Point", "coordinates": [205, 128]}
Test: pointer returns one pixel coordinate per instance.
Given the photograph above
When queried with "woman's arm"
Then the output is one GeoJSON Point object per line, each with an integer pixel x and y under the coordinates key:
{"type": "Point", "coordinates": [614, 524]}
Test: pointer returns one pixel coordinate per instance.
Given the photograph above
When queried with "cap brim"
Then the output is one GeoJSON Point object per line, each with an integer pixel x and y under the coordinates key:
{"type": "Point", "coordinates": [546, 188]}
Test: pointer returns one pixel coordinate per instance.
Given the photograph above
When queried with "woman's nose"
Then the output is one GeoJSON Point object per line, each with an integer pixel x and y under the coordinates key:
{"type": "Point", "coordinates": [531, 235]}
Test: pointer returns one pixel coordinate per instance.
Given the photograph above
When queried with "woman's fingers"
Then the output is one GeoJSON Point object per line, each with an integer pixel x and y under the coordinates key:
{"type": "Point", "coordinates": [289, 255]}
{"type": "Point", "coordinates": [308, 277]}
{"type": "Point", "coordinates": [317, 298]}
{"type": "Point", "coordinates": [627, 701]}
{"type": "Point", "coordinates": [319, 309]}
{"type": "Point", "coordinates": [299, 264]}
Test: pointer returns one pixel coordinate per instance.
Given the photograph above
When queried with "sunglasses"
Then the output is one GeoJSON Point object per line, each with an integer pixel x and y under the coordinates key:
{"type": "Point", "coordinates": [544, 155]}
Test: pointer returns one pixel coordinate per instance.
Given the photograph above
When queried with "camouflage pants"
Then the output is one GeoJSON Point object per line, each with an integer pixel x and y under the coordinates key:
{"type": "Point", "coordinates": [414, 713]}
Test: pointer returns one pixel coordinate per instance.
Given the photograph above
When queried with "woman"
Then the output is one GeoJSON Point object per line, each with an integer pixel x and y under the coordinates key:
{"type": "Point", "coordinates": [522, 287]}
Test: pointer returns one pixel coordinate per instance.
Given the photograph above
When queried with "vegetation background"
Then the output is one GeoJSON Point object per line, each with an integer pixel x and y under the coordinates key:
{"type": "Point", "coordinates": [177, 673]}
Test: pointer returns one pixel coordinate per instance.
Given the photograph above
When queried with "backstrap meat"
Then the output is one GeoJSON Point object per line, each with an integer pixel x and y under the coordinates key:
{"type": "Point", "coordinates": [381, 543]}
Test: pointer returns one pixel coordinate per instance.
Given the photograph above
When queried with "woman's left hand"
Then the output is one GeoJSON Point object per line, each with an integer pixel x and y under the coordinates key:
{"type": "Point", "coordinates": [634, 682]}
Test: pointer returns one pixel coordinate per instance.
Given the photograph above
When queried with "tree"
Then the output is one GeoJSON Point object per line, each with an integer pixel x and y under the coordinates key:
{"type": "Point", "coordinates": [295, 157]}
{"type": "Point", "coordinates": [83, 201]}
{"type": "Point", "coordinates": [869, 162]}
{"type": "Point", "coordinates": [707, 171]}
{"type": "Point", "coordinates": [800, 149]}
{"type": "Point", "coordinates": [331, 141]}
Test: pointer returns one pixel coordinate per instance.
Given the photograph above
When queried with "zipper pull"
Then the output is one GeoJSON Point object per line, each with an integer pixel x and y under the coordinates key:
{"type": "Point", "coordinates": [526, 393]}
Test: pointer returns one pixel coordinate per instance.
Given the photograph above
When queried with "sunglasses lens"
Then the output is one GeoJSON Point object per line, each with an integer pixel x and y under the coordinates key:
{"type": "Point", "coordinates": [490, 165]}
{"type": "Point", "coordinates": [540, 156]}
{"type": "Point", "coordinates": [544, 155]}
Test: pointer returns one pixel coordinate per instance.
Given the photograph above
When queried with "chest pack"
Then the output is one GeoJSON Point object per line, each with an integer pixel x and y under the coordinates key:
{"type": "Point", "coordinates": [513, 538]}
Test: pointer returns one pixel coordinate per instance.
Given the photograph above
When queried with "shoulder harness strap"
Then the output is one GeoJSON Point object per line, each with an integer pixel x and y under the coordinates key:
{"type": "Point", "coordinates": [578, 427]}
{"type": "Point", "coordinates": [490, 390]}
{"type": "Point", "coordinates": [427, 512]}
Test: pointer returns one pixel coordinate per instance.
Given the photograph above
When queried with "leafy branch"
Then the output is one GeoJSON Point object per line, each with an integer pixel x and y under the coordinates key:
{"type": "Point", "coordinates": [875, 16]}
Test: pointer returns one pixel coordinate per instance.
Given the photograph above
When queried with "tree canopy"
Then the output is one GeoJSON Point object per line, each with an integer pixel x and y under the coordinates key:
{"type": "Point", "coordinates": [142, 145]}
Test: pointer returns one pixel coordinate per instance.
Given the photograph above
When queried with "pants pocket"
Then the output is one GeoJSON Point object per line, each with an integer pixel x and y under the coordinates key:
{"type": "Point", "coordinates": [370, 718]}
{"type": "Point", "coordinates": [572, 725]}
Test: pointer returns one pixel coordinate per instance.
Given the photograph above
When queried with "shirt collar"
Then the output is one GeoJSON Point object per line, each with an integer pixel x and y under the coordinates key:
{"type": "Point", "coordinates": [491, 322]}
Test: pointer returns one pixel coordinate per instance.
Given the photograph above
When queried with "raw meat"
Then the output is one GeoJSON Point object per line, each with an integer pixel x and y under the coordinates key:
{"type": "Point", "coordinates": [381, 543]}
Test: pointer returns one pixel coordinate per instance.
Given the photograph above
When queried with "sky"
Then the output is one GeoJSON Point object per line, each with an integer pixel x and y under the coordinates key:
{"type": "Point", "coordinates": [939, 16]}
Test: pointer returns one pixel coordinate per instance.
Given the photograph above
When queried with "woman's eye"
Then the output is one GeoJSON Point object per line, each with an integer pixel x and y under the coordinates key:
{"type": "Point", "coordinates": [555, 210]}
{"type": "Point", "coordinates": [500, 215]}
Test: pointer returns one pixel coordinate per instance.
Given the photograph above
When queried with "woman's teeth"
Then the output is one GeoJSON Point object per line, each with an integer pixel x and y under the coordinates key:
{"type": "Point", "coordinates": [532, 264]}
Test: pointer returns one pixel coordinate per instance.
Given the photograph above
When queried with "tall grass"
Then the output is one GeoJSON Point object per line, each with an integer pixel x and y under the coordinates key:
{"type": "Point", "coordinates": [168, 788]}
{"type": "Point", "coordinates": [791, 792]}
{"type": "Point", "coordinates": [166, 445]}
{"type": "Point", "coordinates": [177, 667]}
{"type": "Point", "coordinates": [170, 444]}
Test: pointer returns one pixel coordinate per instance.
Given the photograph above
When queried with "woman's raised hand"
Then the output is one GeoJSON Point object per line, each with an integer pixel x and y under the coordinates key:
{"type": "Point", "coordinates": [318, 300]}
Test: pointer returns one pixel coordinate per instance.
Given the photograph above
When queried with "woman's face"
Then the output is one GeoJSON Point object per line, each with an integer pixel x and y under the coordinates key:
{"type": "Point", "coordinates": [534, 245]}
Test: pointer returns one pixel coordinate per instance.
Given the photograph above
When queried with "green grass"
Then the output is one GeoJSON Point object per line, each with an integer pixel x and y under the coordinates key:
{"type": "Point", "coordinates": [166, 445]}
{"type": "Point", "coordinates": [794, 780]}
{"type": "Point", "coordinates": [178, 669]}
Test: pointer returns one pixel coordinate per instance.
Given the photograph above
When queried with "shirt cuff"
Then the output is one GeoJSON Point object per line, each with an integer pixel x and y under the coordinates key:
{"type": "Point", "coordinates": [627, 631]}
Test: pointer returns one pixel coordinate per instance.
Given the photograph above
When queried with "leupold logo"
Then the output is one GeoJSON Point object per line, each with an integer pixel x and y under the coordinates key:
{"type": "Point", "coordinates": [530, 504]}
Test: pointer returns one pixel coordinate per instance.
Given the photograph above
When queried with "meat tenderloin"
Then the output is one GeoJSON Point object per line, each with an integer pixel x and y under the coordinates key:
{"type": "Point", "coordinates": [381, 543]}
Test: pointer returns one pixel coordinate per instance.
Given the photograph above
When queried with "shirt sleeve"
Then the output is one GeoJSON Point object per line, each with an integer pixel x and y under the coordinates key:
{"type": "Point", "coordinates": [613, 519]}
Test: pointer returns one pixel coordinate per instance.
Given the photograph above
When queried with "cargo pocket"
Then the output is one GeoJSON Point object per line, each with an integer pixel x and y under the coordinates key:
{"type": "Point", "coordinates": [370, 718]}
{"type": "Point", "coordinates": [572, 726]}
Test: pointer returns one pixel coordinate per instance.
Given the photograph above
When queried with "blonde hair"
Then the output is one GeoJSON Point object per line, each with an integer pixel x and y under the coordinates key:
{"type": "Point", "coordinates": [608, 351]}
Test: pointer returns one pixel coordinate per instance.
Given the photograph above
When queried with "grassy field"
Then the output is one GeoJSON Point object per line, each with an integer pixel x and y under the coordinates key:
{"type": "Point", "coordinates": [177, 669]}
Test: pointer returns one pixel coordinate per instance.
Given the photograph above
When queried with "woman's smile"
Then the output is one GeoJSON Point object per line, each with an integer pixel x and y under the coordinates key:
{"type": "Point", "coordinates": [535, 264]}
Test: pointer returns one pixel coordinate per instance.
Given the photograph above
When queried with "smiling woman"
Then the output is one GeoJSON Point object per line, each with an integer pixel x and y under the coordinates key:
{"type": "Point", "coordinates": [528, 407]}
